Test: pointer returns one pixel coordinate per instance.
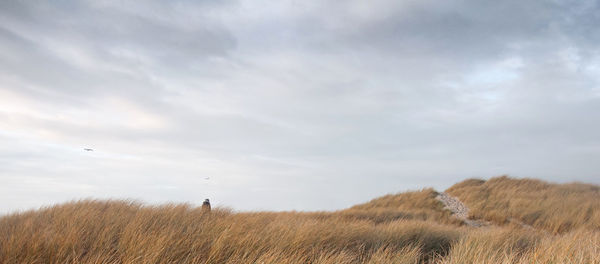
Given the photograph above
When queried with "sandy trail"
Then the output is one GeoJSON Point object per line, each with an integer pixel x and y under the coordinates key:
{"type": "Point", "coordinates": [459, 210]}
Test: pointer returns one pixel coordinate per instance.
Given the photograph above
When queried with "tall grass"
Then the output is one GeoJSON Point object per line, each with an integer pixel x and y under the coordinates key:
{"type": "Point", "coordinates": [507, 245]}
{"type": "Point", "coordinates": [125, 232]}
{"type": "Point", "coordinates": [557, 208]}
{"type": "Point", "coordinates": [410, 227]}
{"type": "Point", "coordinates": [421, 205]}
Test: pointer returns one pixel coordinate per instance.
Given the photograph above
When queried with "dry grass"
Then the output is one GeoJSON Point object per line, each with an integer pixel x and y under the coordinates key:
{"type": "Point", "coordinates": [403, 228]}
{"type": "Point", "coordinates": [124, 232]}
{"type": "Point", "coordinates": [420, 205]}
{"type": "Point", "coordinates": [507, 245]}
{"type": "Point", "coordinates": [557, 208]}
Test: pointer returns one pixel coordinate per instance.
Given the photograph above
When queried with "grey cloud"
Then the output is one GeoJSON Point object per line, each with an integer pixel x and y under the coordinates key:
{"type": "Point", "coordinates": [101, 35]}
{"type": "Point", "coordinates": [293, 103]}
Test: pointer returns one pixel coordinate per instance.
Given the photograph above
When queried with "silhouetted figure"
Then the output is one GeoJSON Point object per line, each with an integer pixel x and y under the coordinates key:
{"type": "Point", "coordinates": [206, 205]}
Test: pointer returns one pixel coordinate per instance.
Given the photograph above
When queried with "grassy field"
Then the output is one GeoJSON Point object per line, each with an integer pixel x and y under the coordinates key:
{"type": "Point", "coordinates": [410, 227]}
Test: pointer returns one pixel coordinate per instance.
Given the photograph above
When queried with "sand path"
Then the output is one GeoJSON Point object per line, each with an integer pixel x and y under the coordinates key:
{"type": "Point", "coordinates": [459, 210]}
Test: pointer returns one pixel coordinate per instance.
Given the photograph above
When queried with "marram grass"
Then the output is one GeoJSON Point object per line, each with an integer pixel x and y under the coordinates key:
{"type": "Point", "coordinates": [409, 227]}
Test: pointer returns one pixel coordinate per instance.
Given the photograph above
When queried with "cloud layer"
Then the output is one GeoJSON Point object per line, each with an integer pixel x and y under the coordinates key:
{"type": "Point", "coordinates": [295, 104]}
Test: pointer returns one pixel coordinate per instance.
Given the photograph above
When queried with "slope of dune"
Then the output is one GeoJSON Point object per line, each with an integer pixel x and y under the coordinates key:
{"type": "Point", "coordinates": [556, 208]}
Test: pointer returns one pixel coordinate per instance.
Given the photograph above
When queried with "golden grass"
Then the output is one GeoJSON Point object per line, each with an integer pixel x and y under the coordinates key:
{"type": "Point", "coordinates": [420, 205]}
{"type": "Point", "coordinates": [410, 227]}
{"type": "Point", "coordinates": [557, 208]}
{"type": "Point", "coordinates": [506, 245]}
{"type": "Point", "coordinates": [124, 232]}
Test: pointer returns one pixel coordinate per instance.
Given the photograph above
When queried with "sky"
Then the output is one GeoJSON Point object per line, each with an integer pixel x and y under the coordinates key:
{"type": "Point", "coordinates": [292, 105]}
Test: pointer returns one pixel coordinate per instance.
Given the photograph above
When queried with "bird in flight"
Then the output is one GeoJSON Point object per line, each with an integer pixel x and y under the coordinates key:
{"type": "Point", "coordinates": [88, 149]}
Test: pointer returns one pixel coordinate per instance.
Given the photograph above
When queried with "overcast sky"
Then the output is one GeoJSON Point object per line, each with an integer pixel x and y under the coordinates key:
{"type": "Point", "coordinates": [292, 105]}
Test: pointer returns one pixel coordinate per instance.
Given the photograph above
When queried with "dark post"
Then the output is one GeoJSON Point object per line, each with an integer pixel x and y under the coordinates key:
{"type": "Point", "coordinates": [206, 206]}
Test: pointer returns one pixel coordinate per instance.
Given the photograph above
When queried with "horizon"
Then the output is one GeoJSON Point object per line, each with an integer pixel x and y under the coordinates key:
{"type": "Point", "coordinates": [310, 105]}
{"type": "Point", "coordinates": [198, 204]}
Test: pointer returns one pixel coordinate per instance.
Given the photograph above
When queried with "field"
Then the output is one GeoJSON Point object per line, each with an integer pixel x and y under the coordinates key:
{"type": "Point", "coordinates": [530, 221]}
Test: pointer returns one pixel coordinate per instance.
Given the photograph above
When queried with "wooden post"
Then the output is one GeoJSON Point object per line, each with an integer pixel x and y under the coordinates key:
{"type": "Point", "coordinates": [206, 206]}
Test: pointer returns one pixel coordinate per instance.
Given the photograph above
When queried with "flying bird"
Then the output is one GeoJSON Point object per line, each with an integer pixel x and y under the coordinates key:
{"type": "Point", "coordinates": [88, 149]}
